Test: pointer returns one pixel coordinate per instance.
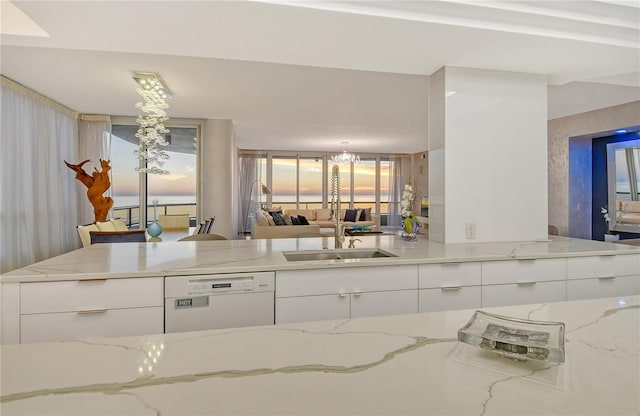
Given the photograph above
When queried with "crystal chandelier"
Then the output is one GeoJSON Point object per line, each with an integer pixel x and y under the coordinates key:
{"type": "Point", "coordinates": [345, 157]}
{"type": "Point", "coordinates": [152, 131]}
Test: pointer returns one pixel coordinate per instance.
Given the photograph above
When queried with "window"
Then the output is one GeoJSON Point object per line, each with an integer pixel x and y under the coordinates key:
{"type": "Point", "coordinates": [310, 182]}
{"type": "Point", "coordinates": [304, 181]}
{"type": "Point", "coordinates": [175, 192]}
{"type": "Point", "coordinates": [125, 182]}
{"type": "Point", "coordinates": [364, 184]}
{"type": "Point", "coordinates": [284, 182]}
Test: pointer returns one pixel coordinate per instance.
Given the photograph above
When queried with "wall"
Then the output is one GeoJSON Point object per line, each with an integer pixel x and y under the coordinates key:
{"type": "Point", "coordinates": [435, 144]}
{"type": "Point", "coordinates": [420, 179]}
{"type": "Point", "coordinates": [563, 160]}
{"type": "Point", "coordinates": [495, 155]}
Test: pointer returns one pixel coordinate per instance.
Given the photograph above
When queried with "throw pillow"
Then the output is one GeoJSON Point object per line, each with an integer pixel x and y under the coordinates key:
{"type": "Point", "coordinates": [261, 217]}
{"type": "Point", "coordinates": [287, 219]}
{"type": "Point", "coordinates": [365, 215]}
{"type": "Point", "coordinates": [278, 218]}
{"type": "Point", "coordinates": [350, 215]}
{"type": "Point", "coordinates": [273, 209]}
{"type": "Point", "coordinates": [295, 221]}
{"type": "Point", "coordinates": [270, 220]}
{"type": "Point", "coordinates": [358, 214]}
{"type": "Point", "coordinates": [303, 220]}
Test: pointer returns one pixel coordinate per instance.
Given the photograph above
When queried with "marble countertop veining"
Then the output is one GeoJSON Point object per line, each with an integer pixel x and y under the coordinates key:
{"type": "Point", "coordinates": [230, 256]}
{"type": "Point", "coordinates": [394, 365]}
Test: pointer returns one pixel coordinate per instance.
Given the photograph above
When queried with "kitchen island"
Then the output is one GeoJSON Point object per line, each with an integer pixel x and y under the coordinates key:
{"type": "Point", "coordinates": [394, 365]}
{"type": "Point", "coordinates": [121, 289]}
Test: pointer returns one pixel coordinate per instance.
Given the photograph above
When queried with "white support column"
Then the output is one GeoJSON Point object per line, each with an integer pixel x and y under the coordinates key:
{"type": "Point", "coordinates": [218, 159]}
{"type": "Point", "coordinates": [487, 156]}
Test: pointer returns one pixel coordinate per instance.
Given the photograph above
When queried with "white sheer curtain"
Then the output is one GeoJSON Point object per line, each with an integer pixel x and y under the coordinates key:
{"type": "Point", "coordinates": [248, 173]}
{"type": "Point", "coordinates": [396, 185]}
{"type": "Point", "coordinates": [94, 144]}
{"type": "Point", "coordinates": [39, 194]}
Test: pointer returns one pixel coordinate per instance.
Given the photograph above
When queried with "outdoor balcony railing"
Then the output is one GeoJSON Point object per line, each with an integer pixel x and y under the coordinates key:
{"type": "Point", "coordinates": [131, 213]}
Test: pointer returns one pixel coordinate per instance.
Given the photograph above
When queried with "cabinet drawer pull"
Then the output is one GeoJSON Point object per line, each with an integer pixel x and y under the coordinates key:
{"type": "Point", "coordinates": [342, 294]}
{"type": "Point", "coordinates": [450, 288]}
{"type": "Point", "coordinates": [451, 264]}
{"type": "Point", "coordinates": [526, 283]}
{"type": "Point", "coordinates": [103, 279]}
{"type": "Point", "coordinates": [92, 311]}
{"type": "Point", "coordinates": [606, 277]}
{"type": "Point", "coordinates": [357, 293]}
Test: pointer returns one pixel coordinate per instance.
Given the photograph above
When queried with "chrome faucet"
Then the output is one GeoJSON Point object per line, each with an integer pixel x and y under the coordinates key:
{"type": "Point", "coordinates": [352, 242]}
{"type": "Point", "coordinates": [335, 206]}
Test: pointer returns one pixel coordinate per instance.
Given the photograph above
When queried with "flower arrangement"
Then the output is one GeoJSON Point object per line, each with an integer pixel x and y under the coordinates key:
{"type": "Point", "coordinates": [607, 219]}
{"type": "Point", "coordinates": [410, 223]}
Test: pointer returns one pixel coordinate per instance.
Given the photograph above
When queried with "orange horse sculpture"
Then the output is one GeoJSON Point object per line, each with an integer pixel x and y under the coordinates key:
{"type": "Point", "coordinates": [96, 184]}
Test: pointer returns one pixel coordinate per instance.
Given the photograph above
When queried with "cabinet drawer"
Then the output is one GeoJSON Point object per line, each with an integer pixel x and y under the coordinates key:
{"type": "Point", "coordinates": [523, 271]}
{"type": "Point", "coordinates": [312, 308]}
{"type": "Point", "coordinates": [384, 303]}
{"type": "Point", "coordinates": [449, 275]}
{"type": "Point", "coordinates": [446, 299]}
{"type": "Point", "coordinates": [79, 295]}
{"type": "Point", "coordinates": [73, 325]}
{"type": "Point", "coordinates": [603, 266]}
{"type": "Point", "coordinates": [603, 287]}
{"type": "Point", "coordinates": [345, 280]}
{"type": "Point", "coordinates": [522, 294]}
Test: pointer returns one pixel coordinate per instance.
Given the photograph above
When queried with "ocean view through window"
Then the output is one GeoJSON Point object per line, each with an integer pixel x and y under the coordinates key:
{"type": "Point", "coordinates": [175, 191]}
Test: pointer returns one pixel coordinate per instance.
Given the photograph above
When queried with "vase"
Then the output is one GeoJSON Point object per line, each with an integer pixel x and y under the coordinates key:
{"type": "Point", "coordinates": [154, 229]}
{"type": "Point", "coordinates": [412, 234]}
{"type": "Point", "coordinates": [611, 237]}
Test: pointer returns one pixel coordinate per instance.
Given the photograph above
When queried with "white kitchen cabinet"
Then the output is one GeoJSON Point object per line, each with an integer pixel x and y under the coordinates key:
{"type": "Point", "coordinates": [603, 266]}
{"type": "Point", "coordinates": [48, 327]}
{"type": "Point", "coordinates": [303, 295]}
{"type": "Point", "coordinates": [513, 282]}
{"type": "Point", "coordinates": [523, 271]}
{"type": "Point", "coordinates": [449, 298]}
{"type": "Point", "coordinates": [603, 287]}
{"type": "Point", "coordinates": [312, 308]}
{"type": "Point", "coordinates": [448, 286]}
{"type": "Point", "coordinates": [67, 310]}
{"type": "Point", "coordinates": [394, 302]}
{"type": "Point", "coordinates": [603, 276]}
{"type": "Point", "coordinates": [523, 293]}
{"type": "Point", "coordinates": [449, 275]}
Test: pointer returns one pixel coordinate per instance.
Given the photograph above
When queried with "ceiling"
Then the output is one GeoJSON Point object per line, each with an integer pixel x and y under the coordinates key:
{"type": "Point", "coordinates": [310, 75]}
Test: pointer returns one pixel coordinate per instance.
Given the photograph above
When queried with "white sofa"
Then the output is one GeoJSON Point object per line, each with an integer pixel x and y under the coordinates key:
{"type": "Point", "coordinates": [284, 231]}
{"type": "Point", "coordinates": [628, 212]}
{"type": "Point", "coordinates": [321, 217]}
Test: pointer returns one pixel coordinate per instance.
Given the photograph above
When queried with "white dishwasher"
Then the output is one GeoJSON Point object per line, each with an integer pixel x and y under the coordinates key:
{"type": "Point", "coordinates": [194, 303]}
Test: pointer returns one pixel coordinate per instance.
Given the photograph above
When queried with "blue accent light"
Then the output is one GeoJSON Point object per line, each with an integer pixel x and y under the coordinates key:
{"type": "Point", "coordinates": [622, 131]}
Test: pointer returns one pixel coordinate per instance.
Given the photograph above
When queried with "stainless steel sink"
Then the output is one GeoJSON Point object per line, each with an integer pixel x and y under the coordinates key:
{"type": "Point", "coordinates": [338, 254]}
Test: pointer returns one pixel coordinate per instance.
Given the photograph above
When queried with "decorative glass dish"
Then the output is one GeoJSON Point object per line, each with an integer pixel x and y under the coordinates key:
{"type": "Point", "coordinates": [519, 339]}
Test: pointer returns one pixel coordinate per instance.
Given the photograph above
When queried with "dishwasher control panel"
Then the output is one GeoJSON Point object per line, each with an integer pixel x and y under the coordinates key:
{"type": "Point", "coordinates": [206, 286]}
{"type": "Point", "coordinates": [220, 283]}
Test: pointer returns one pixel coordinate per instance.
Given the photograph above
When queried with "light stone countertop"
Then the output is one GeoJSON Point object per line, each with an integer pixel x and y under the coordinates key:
{"type": "Point", "coordinates": [393, 365]}
{"type": "Point", "coordinates": [232, 256]}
